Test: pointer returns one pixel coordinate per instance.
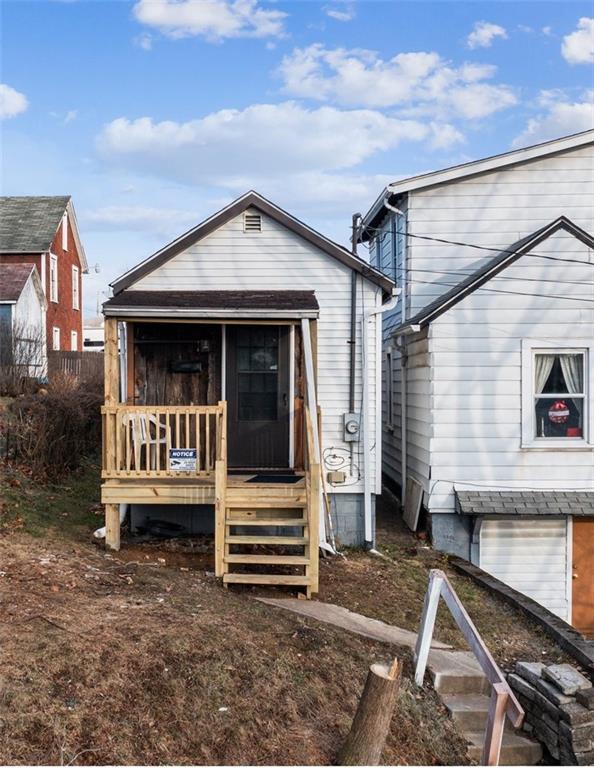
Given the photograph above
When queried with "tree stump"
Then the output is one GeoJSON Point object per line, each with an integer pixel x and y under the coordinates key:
{"type": "Point", "coordinates": [371, 724]}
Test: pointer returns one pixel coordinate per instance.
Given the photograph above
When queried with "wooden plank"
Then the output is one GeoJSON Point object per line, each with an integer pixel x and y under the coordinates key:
{"type": "Point", "coordinates": [427, 625]}
{"type": "Point", "coordinates": [112, 526]}
{"type": "Point", "coordinates": [111, 370]}
{"type": "Point", "coordinates": [130, 493]}
{"type": "Point", "coordinates": [220, 511]}
{"type": "Point", "coordinates": [290, 540]}
{"type": "Point", "coordinates": [275, 521]}
{"type": "Point", "coordinates": [266, 504]}
{"type": "Point", "coordinates": [265, 578]}
{"type": "Point", "coordinates": [495, 725]}
{"type": "Point", "coordinates": [268, 559]}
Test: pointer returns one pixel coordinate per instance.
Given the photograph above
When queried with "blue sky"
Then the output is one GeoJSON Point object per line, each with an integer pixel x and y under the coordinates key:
{"type": "Point", "coordinates": [153, 114]}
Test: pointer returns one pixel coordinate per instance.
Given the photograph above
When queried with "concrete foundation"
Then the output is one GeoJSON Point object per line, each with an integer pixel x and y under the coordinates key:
{"type": "Point", "coordinates": [451, 533]}
{"type": "Point", "coordinates": [348, 517]}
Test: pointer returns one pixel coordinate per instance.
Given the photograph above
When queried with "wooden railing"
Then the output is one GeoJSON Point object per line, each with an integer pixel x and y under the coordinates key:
{"type": "Point", "coordinates": [313, 480]}
{"type": "Point", "coordinates": [141, 440]}
{"type": "Point", "coordinates": [503, 702]}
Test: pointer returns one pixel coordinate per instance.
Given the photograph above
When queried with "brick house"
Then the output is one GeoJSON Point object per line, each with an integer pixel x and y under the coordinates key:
{"type": "Point", "coordinates": [42, 231]}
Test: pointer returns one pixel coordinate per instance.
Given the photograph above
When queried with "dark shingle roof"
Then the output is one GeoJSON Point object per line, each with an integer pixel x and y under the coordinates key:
{"type": "Point", "coordinates": [215, 300]}
{"type": "Point", "coordinates": [525, 502]}
{"type": "Point", "coordinates": [12, 280]}
{"type": "Point", "coordinates": [492, 268]}
{"type": "Point", "coordinates": [28, 224]}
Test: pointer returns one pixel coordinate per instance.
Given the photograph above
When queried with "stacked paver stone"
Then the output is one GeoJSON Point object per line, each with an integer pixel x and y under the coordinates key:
{"type": "Point", "coordinates": [559, 705]}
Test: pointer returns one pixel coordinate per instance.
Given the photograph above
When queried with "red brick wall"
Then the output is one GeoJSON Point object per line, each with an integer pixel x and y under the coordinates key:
{"type": "Point", "coordinates": [61, 314]}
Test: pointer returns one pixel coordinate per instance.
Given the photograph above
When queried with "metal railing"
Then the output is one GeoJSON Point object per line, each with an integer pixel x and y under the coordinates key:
{"type": "Point", "coordinates": [503, 702]}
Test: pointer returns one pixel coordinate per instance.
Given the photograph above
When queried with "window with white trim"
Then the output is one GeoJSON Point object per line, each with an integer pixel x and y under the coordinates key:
{"type": "Point", "coordinates": [55, 339]}
{"type": "Point", "coordinates": [65, 232]}
{"type": "Point", "coordinates": [556, 395]}
{"type": "Point", "coordinates": [74, 341]}
{"type": "Point", "coordinates": [53, 277]}
{"type": "Point", "coordinates": [75, 288]}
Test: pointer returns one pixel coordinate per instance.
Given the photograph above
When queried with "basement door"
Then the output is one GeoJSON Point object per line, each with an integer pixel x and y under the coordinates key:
{"type": "Point", "coordinates": [257, 391]}
{"type": "Point", "coordinates": [583, 575]}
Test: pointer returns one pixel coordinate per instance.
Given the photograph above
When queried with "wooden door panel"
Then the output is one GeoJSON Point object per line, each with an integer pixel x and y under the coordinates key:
{"type": "Point", "coordinates": [583, 575]}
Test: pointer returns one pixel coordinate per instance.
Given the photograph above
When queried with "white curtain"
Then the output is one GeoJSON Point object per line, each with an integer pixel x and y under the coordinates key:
{"type": "Point", "coordinates": [542, 370]}
{"type": "Point", "coordinates": [571, 365]}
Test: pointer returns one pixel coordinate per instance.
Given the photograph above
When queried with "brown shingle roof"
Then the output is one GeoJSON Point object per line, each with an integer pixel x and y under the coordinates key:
{"type": "Point", "coordinates": [12, 280]}
{"type": "Point", "coordinates": [215, 300]}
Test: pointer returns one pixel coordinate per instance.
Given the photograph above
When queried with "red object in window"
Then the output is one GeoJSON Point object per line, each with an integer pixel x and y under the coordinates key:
{"type": "Point", "coordinates": [559, 412]}
{"type": "Point", "coordinates": [574, 432]}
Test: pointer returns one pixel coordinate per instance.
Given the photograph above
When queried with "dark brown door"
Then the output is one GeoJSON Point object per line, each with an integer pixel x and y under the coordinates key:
{"type": "Point", "coordinates": [583, 575]}
{"type": "Point", "coordinates": [258, 396]}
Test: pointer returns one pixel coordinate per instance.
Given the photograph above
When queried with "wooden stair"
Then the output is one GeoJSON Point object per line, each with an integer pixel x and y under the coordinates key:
{"type": "Point", "coordinates": [263, 520]}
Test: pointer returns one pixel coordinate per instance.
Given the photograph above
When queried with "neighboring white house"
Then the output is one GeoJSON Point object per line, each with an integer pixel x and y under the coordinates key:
{"type": "Point", "coordinates": [496, 333]}
{"type": "Point", "coordinates": [252, 264]}
{"type": "Point", "coordinates": [93, 340]}
{"type": "Point", "coordinates": [23, 344]}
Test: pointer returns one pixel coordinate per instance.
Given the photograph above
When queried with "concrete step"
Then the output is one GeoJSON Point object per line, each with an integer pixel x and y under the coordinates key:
{"type": "Point", "coordinates": [456, 672]}
{"type": "Point", "coordinates": [516, 748]}
{"type": "Point", "coordinates": [469, 710]}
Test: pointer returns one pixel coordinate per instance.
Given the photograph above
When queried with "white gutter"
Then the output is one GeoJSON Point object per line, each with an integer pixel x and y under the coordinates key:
{"type": "Point", "coordinates": [366, 425]}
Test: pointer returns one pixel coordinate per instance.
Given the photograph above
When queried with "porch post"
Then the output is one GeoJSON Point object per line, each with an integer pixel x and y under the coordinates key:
{"type": "Point", "coordinates": [112, 378]}
{"type": "Point", "coordinates": [112, 392]}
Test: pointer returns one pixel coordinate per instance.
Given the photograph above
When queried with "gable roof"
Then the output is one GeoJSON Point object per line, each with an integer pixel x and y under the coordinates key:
{"type": "Point", "coordinates": [492, 268]}
{"type": "Point", "coordinates": [13, 278]}
{"type": "Point", "coordinates": [29, 224]}
{"type": "Point", "coordinates": [252, 200]}
{"type": "Point", "coordinates": [473, 168]}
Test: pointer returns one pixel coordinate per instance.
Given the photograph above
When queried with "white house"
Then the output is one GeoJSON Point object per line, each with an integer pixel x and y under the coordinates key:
{"type": "Point", "coordinates": [495, 336]}
{"type": "Point", "coordinates": [23, 346]}
{"type": "Point", "coordinates": [257, 314]}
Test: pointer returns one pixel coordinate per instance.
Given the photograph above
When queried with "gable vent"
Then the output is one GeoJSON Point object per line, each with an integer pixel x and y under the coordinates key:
{"type": "Point", "coordinates": [252, 222]}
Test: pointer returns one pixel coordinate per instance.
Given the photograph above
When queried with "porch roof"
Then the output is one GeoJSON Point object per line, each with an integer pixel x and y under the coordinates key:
{"type": "Point", "coordinates": [558, 503]}
{"type": "Point", "coordinates": [213, 304]}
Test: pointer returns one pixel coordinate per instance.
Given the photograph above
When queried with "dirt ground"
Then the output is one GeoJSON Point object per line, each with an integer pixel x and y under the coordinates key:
{"type": "Point", "coordinates": [143, 657]}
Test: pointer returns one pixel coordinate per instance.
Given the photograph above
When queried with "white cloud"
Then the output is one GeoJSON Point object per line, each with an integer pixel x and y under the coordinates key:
{"type": "Point", "coordinates": [578, 47]}
{"type": "Point", "coordinates": [212, 19]}
{"type": "Point", "coordinates": [70, 116]}
{"type": "Point", "coordinates": [142, 218]}
{"type": "Point", "coordinates": [547, 31]}
{"type": "Point", "coordinates": [559, 118]}
{"type": "Point", "coordinates": [144, 41]}
{"type": "Point", "coordinates": [483, 34]}
{"type": "Point", "coordinates": [12, 103]}
{"type": "Point", "coordinates": [422, 82]}
{"type": "Point", "coordinates": [345, 13]}
{"type": "Point", "coordinates": [286, 138]}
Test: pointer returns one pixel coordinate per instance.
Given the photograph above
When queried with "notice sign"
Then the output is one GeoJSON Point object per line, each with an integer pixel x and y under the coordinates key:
{"type": "Point", "coordinates": [182, 459]}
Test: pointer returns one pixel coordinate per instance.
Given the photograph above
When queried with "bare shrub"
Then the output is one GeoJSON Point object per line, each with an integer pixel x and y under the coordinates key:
{"type": "Point", "coordinates": [56, 428]}
{"type": "Point", "coordinates": [22, 357]}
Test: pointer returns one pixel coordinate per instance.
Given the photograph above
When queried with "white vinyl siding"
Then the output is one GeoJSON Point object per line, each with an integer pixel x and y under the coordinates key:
{"type": "Point", "coordinates": [532, 556]}
{"type": "Point", "coordinates": [53, 278]}
{"type": "Point", "coordinates": [277, 259]}
{"type": "Point", "coordinates": [477, 376]}
{"type": "Point", "coordinates": [75, 288]}
{"type": "Point", "coordinates": [493, 209]}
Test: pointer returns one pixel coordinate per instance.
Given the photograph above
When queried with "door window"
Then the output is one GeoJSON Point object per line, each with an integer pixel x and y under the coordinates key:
{"type": "Point", "coordinates": [257, 370]}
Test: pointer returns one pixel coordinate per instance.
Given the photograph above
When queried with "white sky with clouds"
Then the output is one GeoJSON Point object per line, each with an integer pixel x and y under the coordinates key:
{"type": "Point", "coordinates": [153, 114]}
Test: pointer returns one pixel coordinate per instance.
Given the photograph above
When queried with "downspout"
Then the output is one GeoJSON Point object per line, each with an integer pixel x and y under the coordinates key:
{"type": "Point", "coordinates": [366, 429]}
{"type": "Point", "coordinates": [403, 425]}
{"type": "Point", "coordinates": [356, 222]}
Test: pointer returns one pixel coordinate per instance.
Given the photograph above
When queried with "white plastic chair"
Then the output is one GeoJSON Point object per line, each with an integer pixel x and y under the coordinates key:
{"type": "Point", "coordinates": [142, 434]}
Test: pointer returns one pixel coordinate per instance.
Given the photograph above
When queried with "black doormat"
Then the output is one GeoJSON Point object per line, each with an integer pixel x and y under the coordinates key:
{"type": "Point", "coordinates": [274, 479]}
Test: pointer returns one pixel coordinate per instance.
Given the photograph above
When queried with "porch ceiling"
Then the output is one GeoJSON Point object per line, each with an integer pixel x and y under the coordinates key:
{"type": "Point", "coordinates": [213, 304]}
